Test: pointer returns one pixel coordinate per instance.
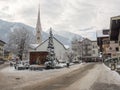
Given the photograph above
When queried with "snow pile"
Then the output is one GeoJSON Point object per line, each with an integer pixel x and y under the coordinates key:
{"type": "Point", "coordinates": [27, 77]}
{"type": "Point", "coordinates": [87, 81]}
{"type": "Point", "coordinates": [118, 66]}
{"type": "Point", "coordinates": [61, 65]}
{"type": "Point", "coordinates": [109, 76]}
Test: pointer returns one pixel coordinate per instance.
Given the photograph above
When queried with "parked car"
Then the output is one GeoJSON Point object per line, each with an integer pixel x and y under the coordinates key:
{"type": "Point", "coordinates": [76, 61]}
{"type": "Point", "coordinates": [12, 62]}
{"type": "Point", "coordinates": [50, 64]}
{"type": "Point", "coordinates": [2, 61]}
{"type": "Point", "coordinates": [21, 65]}
{"type": "Point", "coordinates": [60, 65]}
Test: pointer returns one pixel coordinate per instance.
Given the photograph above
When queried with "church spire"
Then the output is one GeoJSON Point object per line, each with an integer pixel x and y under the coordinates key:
{"type": "Point", "coordinates": [38, 28]}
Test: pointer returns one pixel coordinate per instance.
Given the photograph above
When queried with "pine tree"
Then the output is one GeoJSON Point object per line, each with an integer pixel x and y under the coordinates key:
{"type": "Point", "coordinates": [51, 54]}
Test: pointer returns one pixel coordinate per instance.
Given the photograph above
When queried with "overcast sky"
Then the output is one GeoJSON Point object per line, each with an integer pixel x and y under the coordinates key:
{"type": "Point", "coordinates": [83, 17]}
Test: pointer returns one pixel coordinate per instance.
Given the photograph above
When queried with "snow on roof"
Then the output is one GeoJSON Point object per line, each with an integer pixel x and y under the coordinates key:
{"type": "Point", "coordinates": [2, 41]}
{"type": "Point", "coordinates": [100, 34]}
{"type": "Point", "coordinates": [111, 76]}
{"type": "Point", "coordinates": [67, 46]}
{"type": "Point", "coordinates": [33, 45]}
{"type": "Point", "coordinates": [48, 39]}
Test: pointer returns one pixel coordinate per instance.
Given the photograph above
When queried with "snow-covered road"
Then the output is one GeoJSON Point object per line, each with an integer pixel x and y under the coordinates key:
{"type": "Point", "coordinates": [99, 78]}
{"type": "Point", "coordinates": [10, 79]}
{"type": "Point", "coordinates": [107, 80]}
{"type": "Point", "coordinates": [87, 76]}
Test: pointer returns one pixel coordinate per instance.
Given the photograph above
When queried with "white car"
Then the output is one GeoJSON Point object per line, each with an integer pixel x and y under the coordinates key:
{"type": "Point", "coordinates": [19, 67]}
{"type": "Point", "coordinates": [22, 65]}
{"type": "Point", "coordinates": [60, 65]}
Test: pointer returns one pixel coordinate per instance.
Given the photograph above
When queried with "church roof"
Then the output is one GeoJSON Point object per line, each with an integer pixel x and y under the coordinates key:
{"type": "Point", "coordinates": [33, 45]}
{"type": "Point", "coordinates": [2, 41]}
{"type": "Point", "coordinates": [48, 39]}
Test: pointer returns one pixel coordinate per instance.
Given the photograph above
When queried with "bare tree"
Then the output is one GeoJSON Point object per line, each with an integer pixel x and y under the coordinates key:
{"type": "Point", "coordinates": [70, 56]}
{"type": "Point", "coordinates": [19, 41]}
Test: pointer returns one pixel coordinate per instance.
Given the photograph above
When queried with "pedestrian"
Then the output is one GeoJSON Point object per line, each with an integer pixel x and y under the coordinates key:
{"type": "Point", "coordinates": [68, 65]}
{"type": "Point", "coordinates": [11, 63]}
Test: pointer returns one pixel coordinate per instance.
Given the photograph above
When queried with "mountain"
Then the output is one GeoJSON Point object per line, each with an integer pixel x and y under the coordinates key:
{"type": "Point", "coordinates": [67, 34]}
{"type": "Point", "coordinates": [7, 27]}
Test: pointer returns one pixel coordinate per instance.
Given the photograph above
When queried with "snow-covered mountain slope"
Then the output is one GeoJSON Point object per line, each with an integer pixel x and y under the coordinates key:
{"type": "Point", "coordinates": [67, 34]}
{"type": "Point", "coordinates": [7, 27]}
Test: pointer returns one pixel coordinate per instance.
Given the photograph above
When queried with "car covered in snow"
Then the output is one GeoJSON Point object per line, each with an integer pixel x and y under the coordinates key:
{"type": "Point", "coordinates": [60, 65]}
{"type": "Point", "coordinates": [2, 61]}
{"type": "Point", "coordinates": [22, 65]}
{"type": "Point", "coordinates": [12, 62]}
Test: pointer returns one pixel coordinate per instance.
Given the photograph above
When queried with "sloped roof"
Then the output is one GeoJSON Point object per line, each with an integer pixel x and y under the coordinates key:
{"type": "Point", "coordinates": [100, 34]}
{"type": "Point", "coordinates": [2, 42]}
{"type": "Point", "coordinates": [48, 39]}
{"type": "Point", "coordinates": [33, 45]}
{"type": "Point", "coordinates": [86, 39]}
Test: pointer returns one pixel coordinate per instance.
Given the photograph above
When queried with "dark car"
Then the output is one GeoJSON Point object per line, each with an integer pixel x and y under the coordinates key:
{"type": "Point", "coordinates": [2, 61]}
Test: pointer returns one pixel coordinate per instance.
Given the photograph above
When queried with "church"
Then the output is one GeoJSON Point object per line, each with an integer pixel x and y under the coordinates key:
{"type": "Point", "coordinates": [38, 54]}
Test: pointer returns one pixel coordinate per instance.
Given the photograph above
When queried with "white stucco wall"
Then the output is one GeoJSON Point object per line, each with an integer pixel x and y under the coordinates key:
{"type": "Point", "coordinates": [113, 47]}
{"type": "Point", "coordinates": [94, 49]}
{"type": "Point", "coordinates": [59, 48]}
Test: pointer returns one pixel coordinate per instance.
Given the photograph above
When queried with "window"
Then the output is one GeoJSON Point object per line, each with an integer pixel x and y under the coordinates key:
{"type": "Point", "coordinates": [110, 48]}
{"type": "Point", "coordinates": [117, 49]}
{"type": "Point", "coordinates": [116, 41]}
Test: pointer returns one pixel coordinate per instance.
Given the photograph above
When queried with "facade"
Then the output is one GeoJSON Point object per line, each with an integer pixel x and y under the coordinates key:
{"type": "Point", "coordinates": [76, 47]}
{"type": "Point", "coordinates": [106, 44]}
{"type": "Point", "coordinates": [59, 48]}
{"type": "Point", "coordinates": [95, 52]}
{"type": "Point", "coordinates": [103, 42]}
{"type": "Point", "coordinates": [108, 47]}
{"type": "Point", "coordinates": [2, 43]}
{"type": "Point", "coordinates": [115, 31]}
{"type": "Point", "coordinates": [103, 39]}
{"type": "Point", "coordinates": [40, 53]}
{"type": "Point", "coordinates": [112, 49]}
{"type": "Point", "coordinates": [85, 48]}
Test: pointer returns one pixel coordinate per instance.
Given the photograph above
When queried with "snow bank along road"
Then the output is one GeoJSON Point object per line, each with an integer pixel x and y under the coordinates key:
{"type": "Point", "coordinates": [87, 76]}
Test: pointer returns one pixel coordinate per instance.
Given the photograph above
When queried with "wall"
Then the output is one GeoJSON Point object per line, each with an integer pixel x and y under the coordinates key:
{"type": "Point", "coordinates": [112, 49]}
{"type": "Point", "coordinates": [1, 50]}
{"type": "Point", "coordinates": [95, 49]}
{"type": "Point", "coordinates": [58, 48]}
